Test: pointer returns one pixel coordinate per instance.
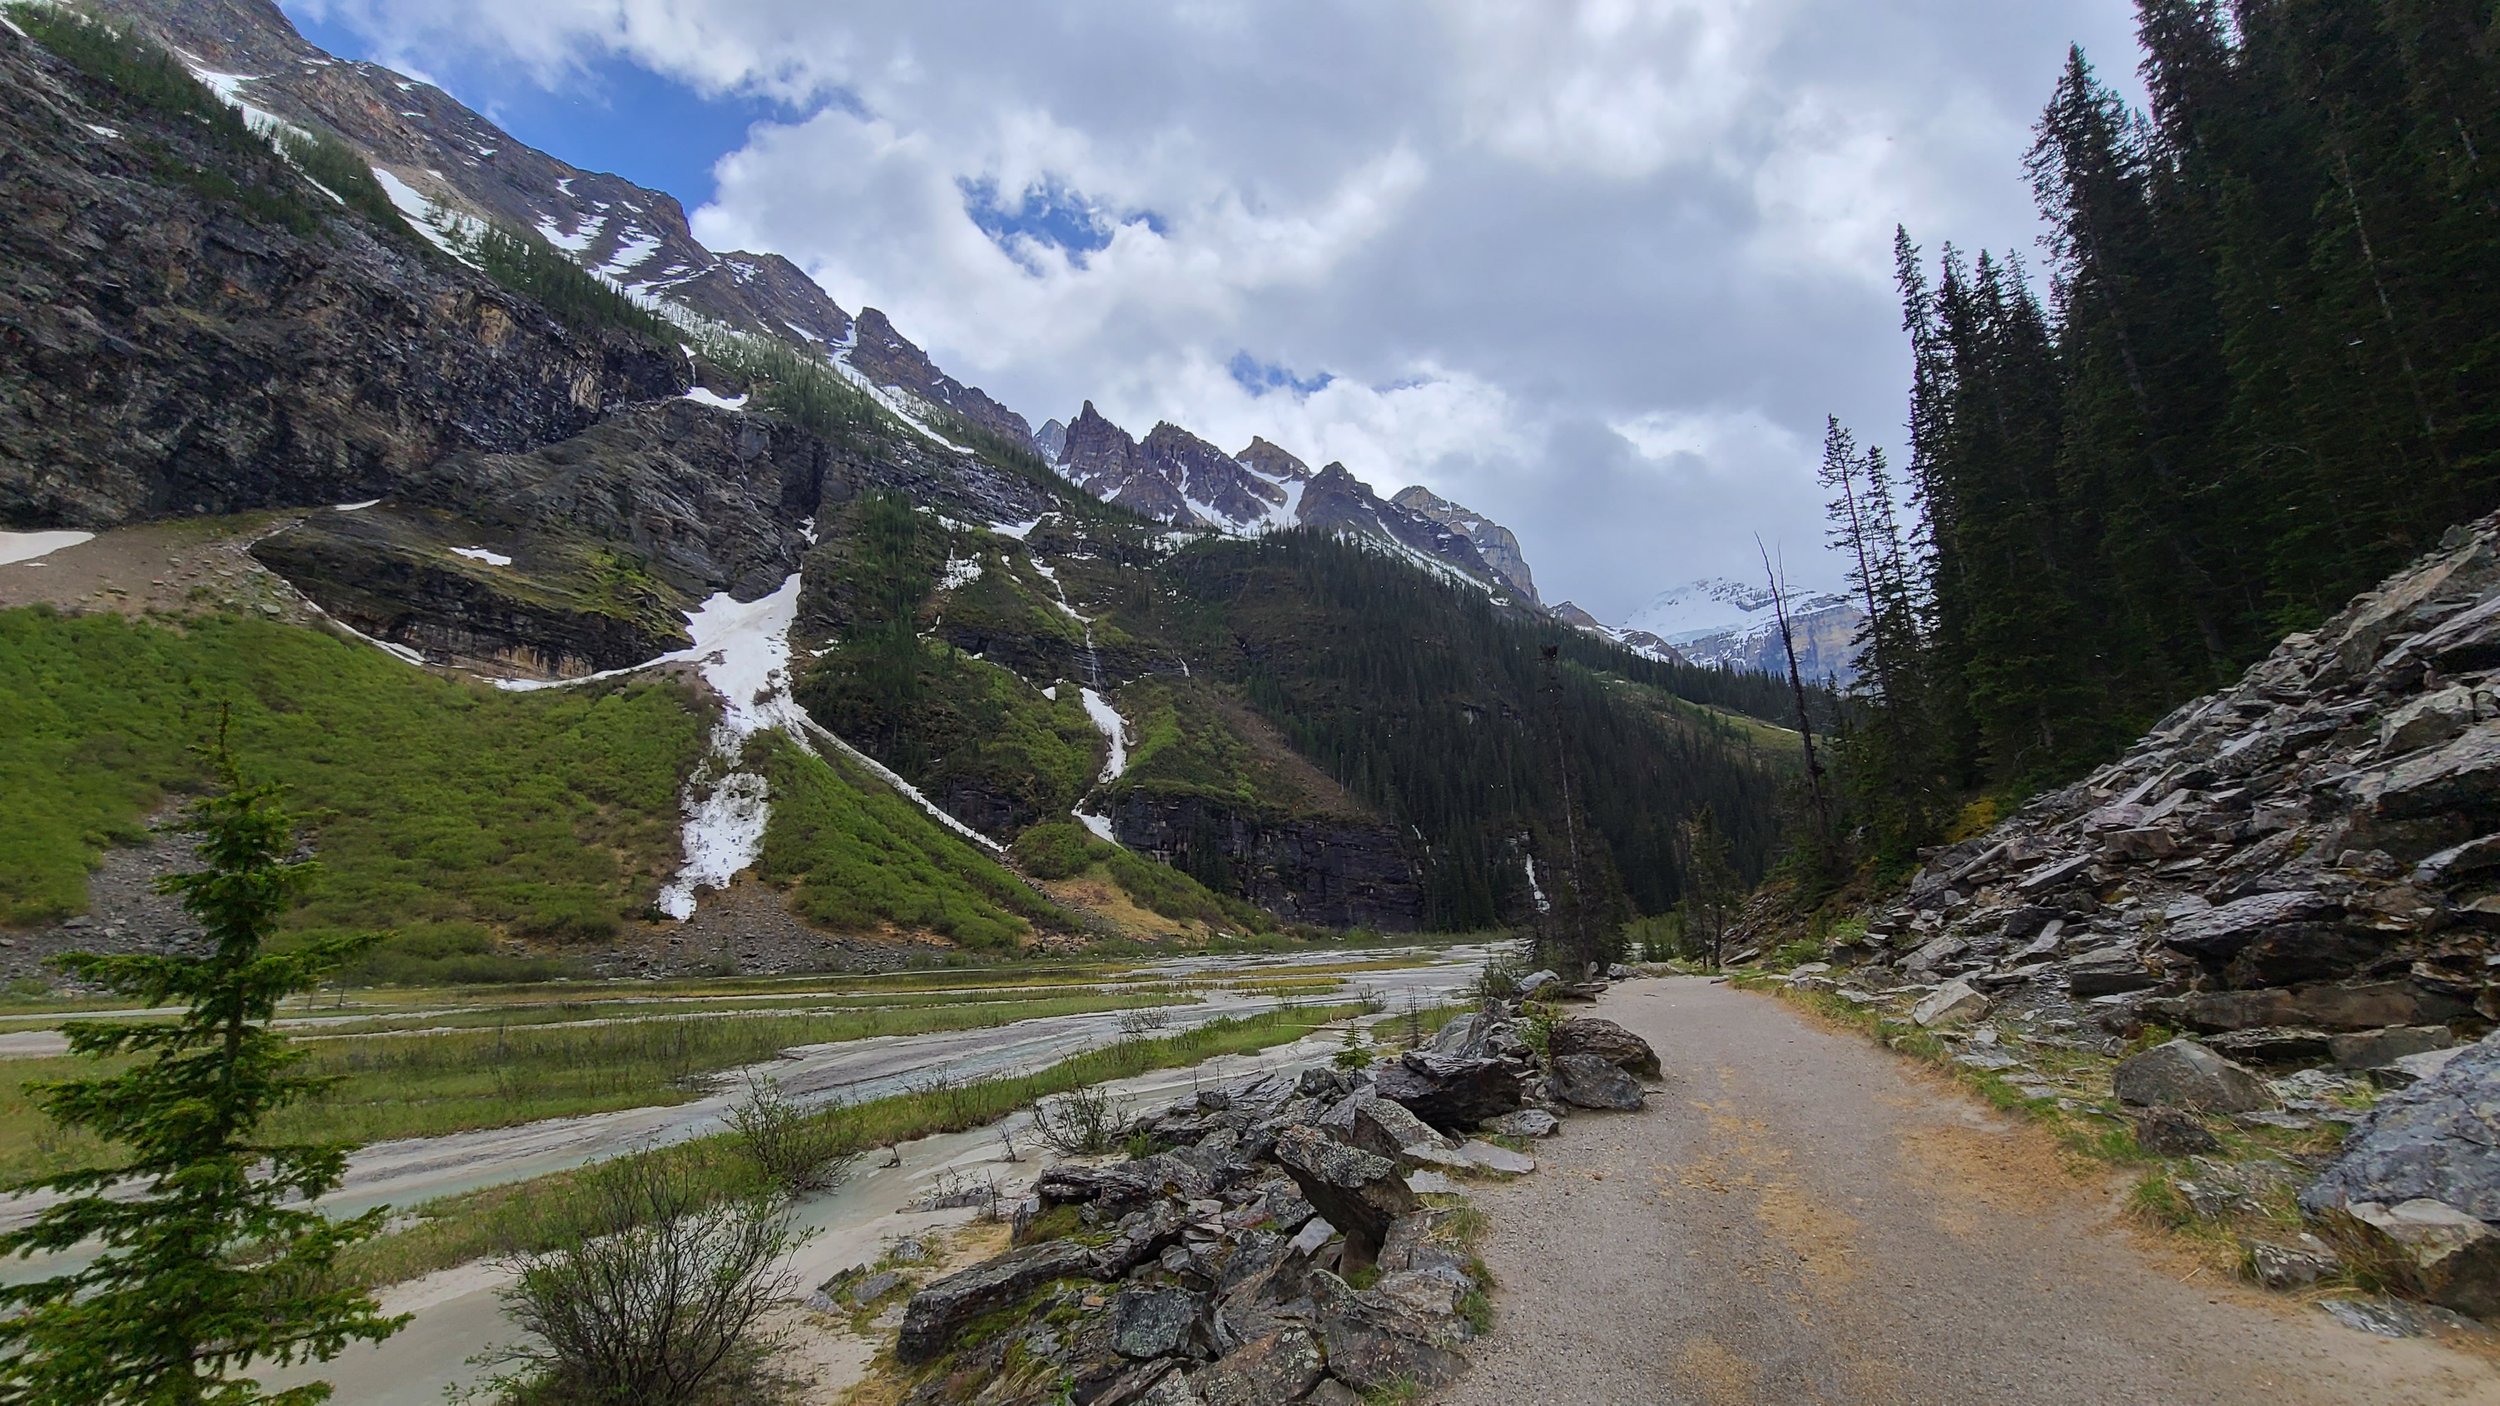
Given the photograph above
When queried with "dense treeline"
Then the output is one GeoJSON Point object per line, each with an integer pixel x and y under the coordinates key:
{"type": "Point", "coordinates": [1440, 711]}
{"type": "Point", "coordinates": [2262, 377]}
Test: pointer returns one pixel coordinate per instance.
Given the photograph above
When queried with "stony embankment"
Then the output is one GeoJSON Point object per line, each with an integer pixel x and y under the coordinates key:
{"type": "Point", "coordinates": [1292, 1237]}
{"type": "Point", "coordinates": [2298, 878]}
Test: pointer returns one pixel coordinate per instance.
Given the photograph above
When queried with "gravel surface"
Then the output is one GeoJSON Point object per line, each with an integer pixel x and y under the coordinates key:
{"type": "Point", "coordinates": [1801, 1217]}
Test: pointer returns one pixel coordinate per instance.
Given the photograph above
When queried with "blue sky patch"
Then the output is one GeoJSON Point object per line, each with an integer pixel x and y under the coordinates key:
{"type": "Point", "coordinates": [1259, 377]}
{"type": "Point", "coordinates": [1051, 214]}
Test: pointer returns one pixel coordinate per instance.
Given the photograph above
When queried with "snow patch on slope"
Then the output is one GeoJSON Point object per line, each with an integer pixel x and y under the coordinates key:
{"type": "Point", "coordinates": [26, 546]}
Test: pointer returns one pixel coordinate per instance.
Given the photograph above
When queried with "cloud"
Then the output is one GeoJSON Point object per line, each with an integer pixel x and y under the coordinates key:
{"type": "Point", "coordinates": [1597, 268]}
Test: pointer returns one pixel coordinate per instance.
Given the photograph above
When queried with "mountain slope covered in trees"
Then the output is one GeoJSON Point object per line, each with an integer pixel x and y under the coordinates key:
{"type": "Point", "coordinates": [2260, 376]}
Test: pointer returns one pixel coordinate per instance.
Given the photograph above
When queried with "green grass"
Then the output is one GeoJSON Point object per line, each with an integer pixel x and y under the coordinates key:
{"type": "Point", "coordinates": [533, 1214]}
{"type": "Point", "coordinates": [1063, 850]}
{"type": "Point", "coordinates": [438, 808]}
{"type": "Point", "coordinates": [425, 1085]}
{"type": "Point", "coordinates": [855, 856]}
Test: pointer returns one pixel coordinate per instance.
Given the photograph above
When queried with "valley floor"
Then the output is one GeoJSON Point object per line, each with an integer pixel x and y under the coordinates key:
{"type": "Point", "coordinates": [1801, 1217]}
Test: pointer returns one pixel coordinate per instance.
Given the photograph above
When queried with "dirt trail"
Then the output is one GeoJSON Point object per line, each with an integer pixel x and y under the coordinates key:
{"type": "Point", "coordinates": [1800, 1218]}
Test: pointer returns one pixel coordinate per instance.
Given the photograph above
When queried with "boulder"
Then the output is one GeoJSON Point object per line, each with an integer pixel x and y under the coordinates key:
{"type": "Point", "coordinates": [2377, 1049]}
{"type": "Point", "coordinates": [2055, 874]}
{"type": "Point", "coordinates": [2432, 720]}
{"type": "Point", "coordinates": [2327, 1006]}
{"type": "Point", "coordinates": [937, 1313]}
{"type": "Point", "coordinates": [1154, 1321]}
{"type": "Point", "coordinates": [2172, 1132]}
{"type": "Point", "coordinates": [1954, 1003]}
{"type": "Point", "coordinates": [1358, 1192]}
{"type": "Point", "coordinates": [1281, 1366]}
{"type": "Point", "coordinates": [2274, 1044]}
{"type": "Point", "coordinates": [1451, 1092]}
{"type": "Point", "coordinates": [1464, 1036]}
{"type": "Point", "coordinates": [1527, 1122]}
{"type": "Point", "coordinates": [1536, 981]}
{"type": "Point", "coordinates": [1586, 1034]}
{"type": "Point", "coordinates": [1933, 955]}
{"type": "Point", "coordinates": [2284, 1268]}
{"type": "Point", "coordinates": [1585, 1081]}
{"type": "Point", "coordinates": [1491, 1157]}
{"type": "Point", "coordinates": [2185, 1074]}
{"type": "Point", "coordinates": [2438, 1140]}
{"type": "Point", "coordinates": [2217, 935]}
{"type": "Point", "coordinates": [2107, 971]}
{"type": "Point", "coordinates": [1372, 1355]}
{"type": "Point", "coordinates": [1383, 1127]}
{"type": "Point", "coordinates": [2428, 1248]}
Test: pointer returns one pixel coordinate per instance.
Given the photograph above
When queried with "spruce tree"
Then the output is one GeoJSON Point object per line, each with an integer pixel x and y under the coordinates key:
{"type": "Point", "coordinates": [211, 1257]}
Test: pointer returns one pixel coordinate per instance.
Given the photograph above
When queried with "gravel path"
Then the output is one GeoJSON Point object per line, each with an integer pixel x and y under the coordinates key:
{"type": "Point", "coordinates": [1801, 1217]}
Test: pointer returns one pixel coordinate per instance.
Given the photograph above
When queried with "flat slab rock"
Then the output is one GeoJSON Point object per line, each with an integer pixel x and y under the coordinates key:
{"type": "Point", "coordinates": [937, 1313]}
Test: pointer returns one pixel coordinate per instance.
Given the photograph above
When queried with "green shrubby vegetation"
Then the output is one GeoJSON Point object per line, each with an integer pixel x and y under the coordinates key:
{"type": "Point", "coordinates": [1062, 849]}
{"type": "Point", "coordinates": [340, 169]}
{"type": "Point", "coordinates": [857, 857]}
{"type": "Point", "coordinates": [440, 808]}
{"type": "Point", "coordinates": [794, 382]}
{"type": "Point", "coordinates": [536, 270]}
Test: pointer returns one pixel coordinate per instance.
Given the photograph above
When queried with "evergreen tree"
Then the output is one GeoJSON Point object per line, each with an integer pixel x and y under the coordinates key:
{"type": "Point", "coordinates": [212, 1258]}
{"type": "Point", "coordinates": [2263, 379]}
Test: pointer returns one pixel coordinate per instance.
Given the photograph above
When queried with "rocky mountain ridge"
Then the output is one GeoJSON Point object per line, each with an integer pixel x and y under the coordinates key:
{"type": "Point", "coordinates": [1717, 621]}
{"type": "Point", "coordinates": [440, 155]}
{"type": "Point", "coordinates": [1176, 478]}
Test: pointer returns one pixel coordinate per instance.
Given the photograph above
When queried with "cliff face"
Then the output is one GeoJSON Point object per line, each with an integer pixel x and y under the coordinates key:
{"type": "Point", "coordinates": [172, 352]}
{"type": "Point", "coordinates": [1329, 872]}
{"type": "Point", "coordinates": [1498, 544]}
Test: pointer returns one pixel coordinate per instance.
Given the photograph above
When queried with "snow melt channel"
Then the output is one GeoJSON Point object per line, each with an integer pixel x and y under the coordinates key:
{"type": "Point", "coordinates": [743, 652]}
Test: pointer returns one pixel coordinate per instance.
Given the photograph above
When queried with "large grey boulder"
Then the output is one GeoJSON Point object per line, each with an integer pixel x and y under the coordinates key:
{"type": "Point", "coordinates": [1585, 1081]}
{"type": "Point", "coordinates": [2218, 934]}
{"type": "Point", "coordinates": [1451, 1092]}
{"type": "Point", "coordinates": [1586, 1034]}
{"type": "Point", "coordinates": [1956, 1002]}
{"type": "Point", "coordinates": [2438, 1140]}
{"type": "Point", "coordinates": [1279, 1366]}
{"type": "Point", "coordinates": [937, 1313]}
{"type": "Point", "coordinates": [2430, 1249]}
{"type": "Point", "coordinates": [1154, 1322]}
{"type": "Point", "coordinates": [2185, 1074]}
{"type": "Point", "coordinates": [2107, 971]}
{"type": "Point", "coordinates": [1358, 1192]}
{"type": "Point", "coordinates": [1382, 1127]}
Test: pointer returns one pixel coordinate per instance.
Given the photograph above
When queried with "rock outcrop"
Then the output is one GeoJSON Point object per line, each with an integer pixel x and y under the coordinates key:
{"type": "Point", "coordinates": [1498, 544]}
{"type": "Point", "coordinates": [1236, 1253]}
{"type": "Point", "coordinates": [2303, 871]}
{"type": "Point", "coordinates": [1334, 871]}
{"type": "Point", "coordinates": [173, 353]}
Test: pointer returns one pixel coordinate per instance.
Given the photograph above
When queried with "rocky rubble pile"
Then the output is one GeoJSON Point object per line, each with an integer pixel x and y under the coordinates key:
{"type": "Point", "coordinates": [1285, 1244]}
{"type": "Point", "coordinates": [2303, 873]}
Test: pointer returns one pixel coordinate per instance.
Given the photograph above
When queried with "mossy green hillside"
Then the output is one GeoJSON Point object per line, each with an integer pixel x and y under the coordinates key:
{"type": "Point", "coordinates": [856, 857]}
{"type": "Point", "coordinates": [438, 807]}
{"type": "Point", "coordinates": [1063, 850]}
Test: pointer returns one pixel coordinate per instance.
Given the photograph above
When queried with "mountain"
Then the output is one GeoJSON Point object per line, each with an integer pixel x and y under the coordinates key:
{"type": "Point", "coordinates": [436, 155]}
{"type": "Point", "coordinates": [1496, 543]}
{"type": "Point", "coordinates": [1716, 621]}
{"type": "Point", "coordinates": [589, 653]}
{"type": "Point", "coordinates": [1176, 478]}
{"type": "Point", "coordinates": [1638, 641]}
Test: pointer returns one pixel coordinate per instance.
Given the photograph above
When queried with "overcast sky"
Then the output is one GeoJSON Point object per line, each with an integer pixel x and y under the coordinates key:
{"type": "Point", "coordinates": [1597, 268]}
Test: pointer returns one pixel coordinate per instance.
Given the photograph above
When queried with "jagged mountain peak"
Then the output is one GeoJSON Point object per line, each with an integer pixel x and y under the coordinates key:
{"type": "Point", "coordinates": [1498, 544]}
{"type": "Point", "coordinates": [1263, 457]}
{"type": "Point", "coordinates": [1719, 620]}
